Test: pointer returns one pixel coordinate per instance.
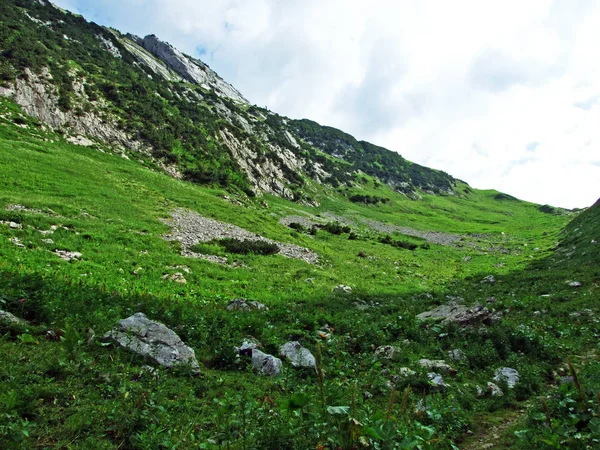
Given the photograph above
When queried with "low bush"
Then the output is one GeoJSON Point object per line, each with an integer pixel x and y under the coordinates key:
{"type": "Point", "coordinates": [247, 246]}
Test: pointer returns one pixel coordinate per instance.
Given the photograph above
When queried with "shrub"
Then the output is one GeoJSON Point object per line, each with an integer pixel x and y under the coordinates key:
{"type": "Point", "coordinates": [248, 246]}
{"type": "Point", "coordinates": [297, 226]}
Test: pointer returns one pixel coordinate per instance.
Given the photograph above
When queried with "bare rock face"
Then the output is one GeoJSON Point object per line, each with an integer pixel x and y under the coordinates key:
{"type": "Point", "coordinates": [190, 69]}
{"type": "Point", "coordinates": [459, 314]}
{"type": "Point", "coordinates": [152, 340]}
{"type": "Point", "coordinates": [297, 355]}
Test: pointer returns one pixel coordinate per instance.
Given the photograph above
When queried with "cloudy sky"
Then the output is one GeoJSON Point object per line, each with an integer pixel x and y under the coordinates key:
{"type": "Point", "coordinates": [502, 94]}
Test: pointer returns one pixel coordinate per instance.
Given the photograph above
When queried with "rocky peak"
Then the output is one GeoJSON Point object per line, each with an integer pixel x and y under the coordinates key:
{"type": "Point", "coordinates": [190, 69]}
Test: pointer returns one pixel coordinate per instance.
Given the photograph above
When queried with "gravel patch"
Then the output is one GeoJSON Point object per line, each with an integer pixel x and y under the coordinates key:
{"type": "Point", "coordinates": [190, 228]}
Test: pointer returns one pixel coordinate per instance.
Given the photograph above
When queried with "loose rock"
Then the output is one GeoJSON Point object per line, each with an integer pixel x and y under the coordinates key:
{"type": "Point", "coordinates": [66, 255]}
{"type": "Point", "coordinates": [456, 354]}
{"type": "Point", "coordinates": [437, 364]}
{"type": "Point", "coordinates": [297, 355]}
{"type": "Point", "coordinates": [265, 364]}
{"type": "Point", "coordinates": [386, 352]}
{"type": "Point", "coordinates": [152, 340]}
{"type": "Point", "coordinates": [508, 375]}
{"type": "Point", "coordinates": [241, 304]}
{"type": "Point", "coordinates": [436, 380]}
{"type": "Point", "coordinates": [8, 318]}
{"type": "Point", "coordinates": [342, 289]}
{"type": "Point", "coordinates": [459, 314]}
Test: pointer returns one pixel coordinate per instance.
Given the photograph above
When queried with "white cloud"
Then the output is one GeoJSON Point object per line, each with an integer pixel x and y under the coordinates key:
{"type": "Point", "coordinates": [501, 94]}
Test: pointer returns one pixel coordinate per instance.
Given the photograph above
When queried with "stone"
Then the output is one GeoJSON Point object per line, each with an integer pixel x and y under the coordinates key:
{"type": "Point", "coordinates": [17, 242]}
{"type": "Point", "coordinates": [241, 304]}
{"type": "Point", "coordinates": [265, 364]}
{"type": "Point", "coordinates": [456, 354]}
{"type": "Point", "coordinates": [297, 355]}
{"type": "Point", "coordinates": [489, 279]}
{"type": "Point", "coordinates": [436, 380]}
{"type": "Point", "coordinates": [8, 318]}
{"type": "Point", "coordinates": [494, 390]}
{"type": "Point", "coordinates": [153, 340]}
{"type": "Point", "coordinates": [66, 255]}
{"type": "Point", "coordinates": [437, 364]}
{"type": "Point", "coordinates": [574, 284]}
{"type": "Point", "coordinates": [342, 289]}
{"type": "Point", "coordinates": [386, 352]}
{"type": "Point", "coordinates": [248, 344]}
{"type": "Point", "coordinates": [459, 314]}
{"type": "Point", "coordinates": [508, 375]}
{"type": "Point", "coordinates": [14, 225]}
{"type": "Point", "coordinates": [47, 241]}
{"type": "Point", "coordinates": [406, 372]}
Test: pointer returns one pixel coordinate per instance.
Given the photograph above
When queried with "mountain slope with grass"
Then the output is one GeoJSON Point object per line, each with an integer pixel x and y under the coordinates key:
{"type": "Point", "coordinates": [413, 292]}
{"type": "Point", "coordinates": [142, 96]}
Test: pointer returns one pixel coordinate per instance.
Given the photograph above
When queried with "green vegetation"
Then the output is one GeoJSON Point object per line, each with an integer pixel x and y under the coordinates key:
{"type": "Point", "coordinates": [536, 268]}
{"type": "Point", "coordinates": [61, 387]}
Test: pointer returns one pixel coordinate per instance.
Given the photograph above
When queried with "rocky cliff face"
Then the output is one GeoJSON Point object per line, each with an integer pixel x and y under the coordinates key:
{"type": "Point", "coordinates": [190, 69]}
{"type": "Point", "coordinates": [144, 95]}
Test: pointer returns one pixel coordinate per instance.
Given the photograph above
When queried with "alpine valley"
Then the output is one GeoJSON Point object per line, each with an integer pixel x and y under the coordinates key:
{"type": "Point", "coordinates": [182, 269]}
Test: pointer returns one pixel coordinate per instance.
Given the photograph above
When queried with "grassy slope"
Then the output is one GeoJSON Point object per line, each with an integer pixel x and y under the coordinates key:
{"type": "Point", "coordinates": [80, 394]}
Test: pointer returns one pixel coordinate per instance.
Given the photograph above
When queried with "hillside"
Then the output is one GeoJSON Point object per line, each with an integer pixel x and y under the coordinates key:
{"type": "Point", "coordinates": [101, 87]}
{"type": "Point", "coordinates": [165, 193]}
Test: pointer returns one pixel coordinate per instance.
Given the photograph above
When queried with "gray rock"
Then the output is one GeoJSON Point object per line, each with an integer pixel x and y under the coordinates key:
{"type": "Point", "coordinates": [342, 289]}
{"type": "Point", "coordinates": [459, 314]}
{"type": "Point", "coordinates": [8, 318]}
{"type": "Point", "coordinates": [456, 354]}
{"type": "Point", "coordinates": [437, 364]}
{"type": "Point", "coordinates": [508, 375]}
{"type": "Point", "coordinates": [297, 355]}
{"type": "Point", "coordinates": [574, 284]}
{"type": "Point", "coordinates": [406, 372]}
{"type": "Point", "coordinates": [436, 380]}
{"type": "Point", "coordinates": [494, 390]}
{"type": "Point", "coordinates": [14, 225]}
{"type": "Point", "coordinates": [265, 364]}
{"type": "Point", "coordinates": [241, 304]}
{"type": "Point", "coordinates": [489, 279]}
{"type": "Point", "coordinates": [66, 255]}
{"type": "Point", "coordinates": [152, 340]}
{"type": "Point", "coordinates": [248, 345]}
{"type": "Point", "coordinates": [386, 352]}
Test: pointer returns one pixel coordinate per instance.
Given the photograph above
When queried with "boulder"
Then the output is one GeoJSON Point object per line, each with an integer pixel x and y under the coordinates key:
{"type": "Point", "coordinates": [386, 352]}
{"type": "Point", "coordinates": [342, 289]}
{"type": "Point", "coordinates": [437, 364]}
{"type": "Point", "coordinates": [241, 304]}
{"type": "Point", "coordinates": [436, 380]}
{"type": "Point", "coordinates": [8, 318]}
{"type": "Point", "coordinates": [574, 284]}
{"type": "Point", "coordinates": [153, 340]}
{"type": "Point", "coordinates": [265, 364]}
{"type": "Point", "coordinates": [494, 390]}
{"type": "Point", "coordinates": [459, 314]}
{"type": "Point", "coordinates": [66, 255]}
{"type": "Point", "coordinates": [297, 355]}
{"type": "Point", "coordinates": [456, 354]}
{"type": "Point", "coordinates": [508, 375]}
{"type": "Point", "coordinates": [490, 279]}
